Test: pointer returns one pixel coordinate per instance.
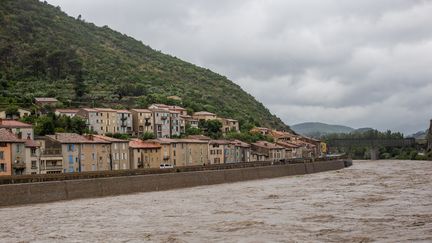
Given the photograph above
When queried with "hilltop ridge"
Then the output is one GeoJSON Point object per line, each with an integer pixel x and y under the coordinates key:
{"type": "Point", "coordinates": [45, 52]}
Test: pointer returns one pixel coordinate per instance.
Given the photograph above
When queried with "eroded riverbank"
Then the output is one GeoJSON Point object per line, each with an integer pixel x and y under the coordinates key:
{"type": "Point", "coordinates": [384, 200]}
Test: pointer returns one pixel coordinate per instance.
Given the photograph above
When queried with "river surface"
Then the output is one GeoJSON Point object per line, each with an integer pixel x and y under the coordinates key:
{"type": "Point", "coordinates": [386, 201]}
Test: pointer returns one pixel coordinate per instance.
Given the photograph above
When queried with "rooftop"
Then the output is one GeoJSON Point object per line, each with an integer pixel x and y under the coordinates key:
{"type": "Point", "coordinates": [199, 137]}
{"type": "Point", "coordinates": [220, 142]}
{"type": "Point", "coordinates": [74, 138]}
{"type": "Point", "coordinates": [137, 143]}
{"type": "Point", "coordinates": [265, 144]}
{"type": "Point", "coordinates": [240, 143]}
{"type": "Point", "coordinates": [203, 113]}
{"type": "Point", "coordinates": [8, 137]}
{"type": "Point", "coordinates": [142, 110]}
{"type": "Point", "coordinates": [108, 139]}
{"type": "Point", "coordinates": [67, 110]}
{"type": "Point", "coordinates": [4, 123]}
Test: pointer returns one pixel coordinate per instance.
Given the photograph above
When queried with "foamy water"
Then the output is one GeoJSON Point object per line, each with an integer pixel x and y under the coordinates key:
{"type": "Point", "coordinates": [372, 201]}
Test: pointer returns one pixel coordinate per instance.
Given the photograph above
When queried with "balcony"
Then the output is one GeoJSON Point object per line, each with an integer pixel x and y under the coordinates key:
{"type": "Point", "coordinates": [19, 165]}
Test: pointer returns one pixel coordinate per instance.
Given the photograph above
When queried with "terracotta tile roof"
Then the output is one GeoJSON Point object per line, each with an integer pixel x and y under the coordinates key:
{"type": "Point", "coordinates": [123, 111]}
{"type": "Point", "coordinates": [288, 145]}
{"type": "Point", "coordinates": [264, 144]}
{"type": "Point", "coordinates": [170, 140]}
{"type": "Point", "coordinates": [8, 137]}
{"type": "Point", "coordinates": [136, 143]}
{"type": "Point", "coordinates": [142, 110]}
{"type": "Point", "coordinates": [13, 124]}
{"type": "Point", "coordinates": [220, 142]}
{"type": "Point", "coordinates": [109, 139]}
{"type": "Point", "coordinates": [105, 110]}
{"type": "Point", "coordinates": [31, 143]}
{"type": "Point", "coordinates": [67, 110]}
{"type": "Point", "coordinates": [199, 137]}
{"type": "Point", "coordinates": [240, 143]}
{"type": "Point", "coordinates": [203, 113]}
{"type": "Point", "coordinates": [89, 109]}
{"type": "Point", "coordinates": [74, 138]}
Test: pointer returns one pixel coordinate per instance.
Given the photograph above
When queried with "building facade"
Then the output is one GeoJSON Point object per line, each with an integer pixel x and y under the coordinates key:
{"type": "Point", "coordinates": [144, 154]}
{"type": "Point", "coordinates": [271, 151]}
{"type": "Point", "coordinates": [142, 120]}
{"type": "Point", "coordinates": [124, 122]}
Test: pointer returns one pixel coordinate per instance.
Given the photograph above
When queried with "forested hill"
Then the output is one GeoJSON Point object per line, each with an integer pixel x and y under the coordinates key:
{"type": "Point", "coordinates": [44, 52]}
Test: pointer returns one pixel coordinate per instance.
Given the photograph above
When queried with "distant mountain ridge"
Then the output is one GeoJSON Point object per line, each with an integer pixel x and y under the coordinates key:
{"type": "Point", "coordinates": [316, 129]}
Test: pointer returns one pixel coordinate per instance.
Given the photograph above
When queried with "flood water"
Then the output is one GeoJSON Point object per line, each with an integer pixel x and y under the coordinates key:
{"type": "Point", "coordinates": [385, 201]}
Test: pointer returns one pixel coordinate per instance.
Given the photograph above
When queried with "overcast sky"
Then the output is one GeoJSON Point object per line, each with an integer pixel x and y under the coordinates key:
{"type": "Point", "coordinates": [361, 63]}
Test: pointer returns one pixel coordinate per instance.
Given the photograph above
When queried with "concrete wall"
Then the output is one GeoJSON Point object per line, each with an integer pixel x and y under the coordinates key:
{"type": "Point", "coordinates": [28, 193]}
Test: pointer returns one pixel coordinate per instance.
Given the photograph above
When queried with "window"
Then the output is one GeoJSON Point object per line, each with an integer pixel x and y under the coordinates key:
{"type": "Point", "coordinates": [1, 155]}
{"type": "Point", "coordinates": [93, 156]}
{"type": "Point", "coordinates": [18, 148]}
{"type": "Point", "coordinates": [33, 164]}
{"type": "Point", "coordinates": [3, 167]}
{"type": "Point", "coordinates": [70, 147]}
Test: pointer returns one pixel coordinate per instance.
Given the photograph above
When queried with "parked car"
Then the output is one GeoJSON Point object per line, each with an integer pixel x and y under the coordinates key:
{"type": "Point", "coordinates": [166, 166]}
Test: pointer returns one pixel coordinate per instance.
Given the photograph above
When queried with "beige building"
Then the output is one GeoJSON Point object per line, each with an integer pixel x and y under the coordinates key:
{"type": "Point", "coordinates": [144, 154]}
{"type": "Point", "coordinates": [271, 151]}
{"type": "Point", "coordinates": [119, 151]}
{"type": "Point", "coordinates": [217, 151]}
{"type": "Point", "coordinates": [183, 152]}
{"type": "Point", "coordinates": [101, 120]}
{"type": "Point", "coordinates": [142, 120]}
{"type": "Point", "coordinates": [81, 154]}
{"type": "Point", "coordinates": [229, 125]}
{"type": "Point", "coordinates": [20, 129]}
{"type": "Point", "coordinates": [204, 115]}
{"type": "Point", "coordinates": [51, 157]}
{"type": "Point", "coordinates": [20, 114]}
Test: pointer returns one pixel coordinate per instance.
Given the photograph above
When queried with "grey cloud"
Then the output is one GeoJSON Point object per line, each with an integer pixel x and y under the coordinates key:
{"type": "Point", "coordinates": [360, 63]}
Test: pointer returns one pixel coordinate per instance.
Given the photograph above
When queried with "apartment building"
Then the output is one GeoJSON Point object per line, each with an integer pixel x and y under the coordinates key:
{"type": "Point", "coordinates": [183, 152]}
{"type": "Point", "coordinates": [161, 123]}
{"type": "Point", "coordinates": [91, 116]}
{"type": "Point", "coordinates": [20, 129]}
{"type": "Point", "coordinates": [144, 154]}
{"type": "Point", "coordinates": [51, 157]}
{"type": "Point", "coordinates": [20, 114]}
{"type": "Point", "coordinates": [229, 125]}
{"type": "Point", "coordinates": [271, 151]}
{"type": "Point", "coordinates": [242, 151]}
{"type": "Point", "coordinates": [32, 155]}
{"type": "Point", "coordinates": [124, 122]}
{"type": "Point", "coordinates": [82, 154]}
{"type": "Point", "coordinates": [101, 120]}
{"type": "Point", "coordinates": [188, 121]}
{"type": "Point", "coordinates": [292, 150]}
{"type": "Point", "coordinates": [11, 153]}
{"type": "Point", "coordinates": [217, 151]}
{"type": "Point", "coordinates": [204, 115]}
{"type": "Point", "coordinates": [118, 151]}
{"type": "Point", "coordinates": [142, 120]}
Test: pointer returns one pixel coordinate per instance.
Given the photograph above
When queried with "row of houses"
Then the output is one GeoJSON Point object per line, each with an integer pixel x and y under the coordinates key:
{"type": "Point", "coordinates": [164, 121]}
{"type": "Point", "coordinates": [23, 153]}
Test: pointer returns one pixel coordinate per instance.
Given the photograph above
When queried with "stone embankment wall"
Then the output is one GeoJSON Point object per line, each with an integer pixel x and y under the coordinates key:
{"type": "Point", "coordinates": [42, 192]}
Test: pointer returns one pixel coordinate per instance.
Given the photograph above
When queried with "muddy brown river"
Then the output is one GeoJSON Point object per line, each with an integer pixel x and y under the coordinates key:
{"type": "Point", "coordinates": [385, 201]}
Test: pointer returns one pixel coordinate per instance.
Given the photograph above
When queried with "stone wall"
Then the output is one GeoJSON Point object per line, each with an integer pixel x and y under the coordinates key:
{"type": "Point", "coordinates": [42, 192]}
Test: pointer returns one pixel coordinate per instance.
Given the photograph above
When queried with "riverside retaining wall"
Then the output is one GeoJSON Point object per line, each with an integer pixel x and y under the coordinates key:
{"type": "Point", "coordinates": [42, 192]}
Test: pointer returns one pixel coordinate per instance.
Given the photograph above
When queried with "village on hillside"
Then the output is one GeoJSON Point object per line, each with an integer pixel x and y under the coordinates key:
{"type": "Point", "coordinates": [155, 139]}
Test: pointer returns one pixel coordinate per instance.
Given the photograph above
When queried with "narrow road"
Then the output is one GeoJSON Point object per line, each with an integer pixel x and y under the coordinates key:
{"type": "Point", "coordinates": [371, 201]}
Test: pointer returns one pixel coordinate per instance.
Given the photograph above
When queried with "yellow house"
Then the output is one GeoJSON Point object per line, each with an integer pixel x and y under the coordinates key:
{"type": "Point", "coordinates": [183, 152]}
{"type": "Point", "coordinates": [204, 115]}
{"type": "Point", "coordinates": [144, 154]}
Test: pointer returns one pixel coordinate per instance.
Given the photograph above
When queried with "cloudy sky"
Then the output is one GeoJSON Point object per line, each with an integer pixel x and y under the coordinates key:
{"type": "Point", "coordinates": [359, 63]}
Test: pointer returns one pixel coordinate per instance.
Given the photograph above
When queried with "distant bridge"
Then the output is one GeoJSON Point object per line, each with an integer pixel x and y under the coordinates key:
{"type": "Point", "coordinates": [378, 142]}
{"type": "Point", "coordinates": [373, 144]}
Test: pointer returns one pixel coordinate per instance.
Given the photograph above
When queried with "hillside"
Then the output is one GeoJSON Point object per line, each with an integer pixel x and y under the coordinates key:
{"type": "Point", "coordinates": [44, 52]}
{"type": "Point", "coordinates": [317, 129]}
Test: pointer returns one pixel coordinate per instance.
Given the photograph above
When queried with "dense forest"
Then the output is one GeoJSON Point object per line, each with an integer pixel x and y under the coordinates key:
{"type": "Point", "coordinates": [44, 52]}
